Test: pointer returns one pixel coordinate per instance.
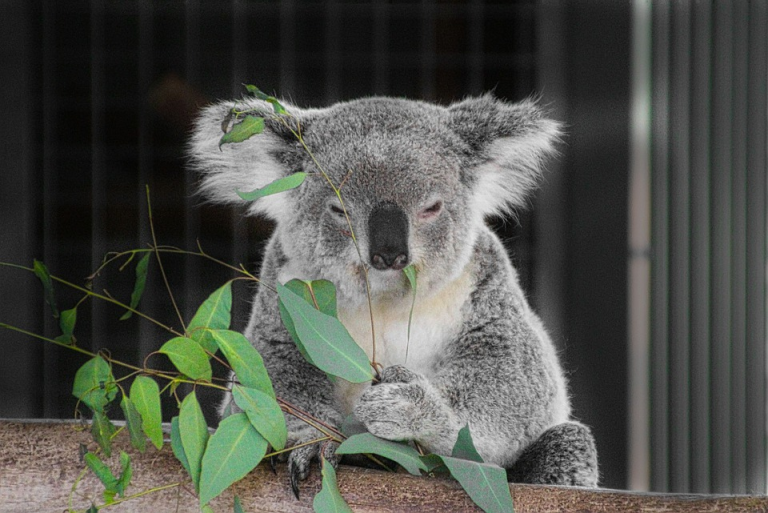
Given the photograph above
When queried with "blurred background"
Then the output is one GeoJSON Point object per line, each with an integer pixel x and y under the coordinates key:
{"type": "Point", "coordinates": [644, 250]}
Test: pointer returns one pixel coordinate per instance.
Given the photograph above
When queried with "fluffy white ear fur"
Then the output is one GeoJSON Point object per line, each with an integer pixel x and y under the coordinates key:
{"type": "Point", "coordinates": [512, 141]}
{"type": "Point", "coordinates": [243, 166]}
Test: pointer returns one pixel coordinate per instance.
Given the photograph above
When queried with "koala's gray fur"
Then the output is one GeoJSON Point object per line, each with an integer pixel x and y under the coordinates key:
{"type": "Point", "coordinates": [477, 353]}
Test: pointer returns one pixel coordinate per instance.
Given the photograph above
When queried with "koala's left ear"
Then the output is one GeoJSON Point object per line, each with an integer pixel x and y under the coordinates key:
{"type": "Point", "coordinates": [247, 165]}
{"type": "Point", "coordinates": [506, 145]}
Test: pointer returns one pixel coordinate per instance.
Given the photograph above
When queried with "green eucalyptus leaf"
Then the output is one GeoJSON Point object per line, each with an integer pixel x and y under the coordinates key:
{"type": "Point", "coordinates": [188, 357]}
{"type": "Point", "coordinates": [233, 451]}
{"type": "Point", "coordinates": [101, 471]}
{"type": "Point", "coordinates": [325, 339]}
{"type": "Point", "coordinates": [485, 484]}
{"type": "Point", "coordinates": [215, 314]}
{"type": "Point", "coordinates": [94, 384]}
{"type": "Point", "coordinates": [255, 91]}
{"type": "Point", "coordinates": [145, 395]}
{"type": "Point", "coordinates": [401, 453]}
{"type": "Point", "coordinates": [410, 273]}
{"type": "Point", "coordinates": [139, 285]}
{"type": "Point", "coordinates": [329, 499]}
{"type": "Point", "coordinates": [321, 294]}
{"type": "Point", "coordinates": [264, 414]}
{"type": "Point", "coordinates": [464, 447]}
{"type": "Point", "coordinates": [434, 463]}
{"type": "Point", "coordinates": [41, 271]}
{"type": "Point", "coordinates": [258, 93]}
{"type": "Point", "coordinates": [247, 128]}
{"type": "Point", "coordinates": [244, 360]}
{"type": "Point", "coordinates": [194, 435]}
{"type": "Point", "coordinates": [133, 422]}
{"type": "Point", "coordinates": [102, 431]}
{"type": "Point", "coordinates": [67, 321]}
{"type": "Point", "coordinates": [238, 507]}
{"type": "Point", "coordinates": [280, 185]}
{"type": "Point", "coordinates": [125, 475]}
{"type": "Point", "coordinates": [276, 105]}
{"type": "Point", "coordinates": [176, 447]}
{"type": "Point", "coordinates": [109, 496]}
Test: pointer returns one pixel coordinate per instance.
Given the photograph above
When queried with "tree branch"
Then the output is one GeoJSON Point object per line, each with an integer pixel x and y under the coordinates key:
{"type": "Point", "coordinates": [39, 461]}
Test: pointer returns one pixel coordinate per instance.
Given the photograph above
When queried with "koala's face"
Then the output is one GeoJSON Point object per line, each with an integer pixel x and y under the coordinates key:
{"type": "Point", "coordinates": [398, 168]}
{"type": "Point", "coordinates": [415, 180]}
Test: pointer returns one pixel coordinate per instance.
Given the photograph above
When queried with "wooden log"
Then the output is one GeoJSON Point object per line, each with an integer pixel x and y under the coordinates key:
{"type": "Point", "coordinates": [40, 462]}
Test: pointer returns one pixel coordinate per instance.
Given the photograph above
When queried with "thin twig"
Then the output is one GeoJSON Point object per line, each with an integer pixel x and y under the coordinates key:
{"type": "Point", "coordinates": [160, 263]}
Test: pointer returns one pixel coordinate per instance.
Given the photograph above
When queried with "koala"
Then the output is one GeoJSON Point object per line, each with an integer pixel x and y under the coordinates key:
{"type": "Point", "coordinates": [418, 181]}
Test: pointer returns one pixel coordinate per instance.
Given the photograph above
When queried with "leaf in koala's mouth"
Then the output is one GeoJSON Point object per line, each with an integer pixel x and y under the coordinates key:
{"type": "Point", "coordinates": [279, 185]}
{"type": "Point", "coordinates": [410, 273]}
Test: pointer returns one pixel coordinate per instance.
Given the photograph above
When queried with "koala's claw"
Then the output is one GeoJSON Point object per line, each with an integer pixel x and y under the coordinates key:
{"type": "Point", "coordinates": [300, 461]}
{"type": "Point", "coordinates": [273, 464]}
{"type": "Point", "coordinates": [295, 484]}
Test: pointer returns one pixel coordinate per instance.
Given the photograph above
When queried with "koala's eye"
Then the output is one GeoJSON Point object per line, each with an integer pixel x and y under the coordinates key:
{"type": "Point", "coordinates": [337, 210]}
{"type": "Point", "coordinates": [431, 211]}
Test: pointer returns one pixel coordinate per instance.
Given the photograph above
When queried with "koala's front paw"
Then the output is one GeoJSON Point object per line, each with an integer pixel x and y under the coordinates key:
{"type": "Point", "coordinates": [392, 410]}
{"type": "Point", "coordinates": [300, 459]}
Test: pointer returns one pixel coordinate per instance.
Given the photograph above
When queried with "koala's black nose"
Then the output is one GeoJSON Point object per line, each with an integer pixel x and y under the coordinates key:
{"type": "Point", "coordinates": [388, 235]}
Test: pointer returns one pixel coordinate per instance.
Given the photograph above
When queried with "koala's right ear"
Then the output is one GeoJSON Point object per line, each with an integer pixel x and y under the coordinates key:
{"type": "Point", "coordinates": [507, 143]}
{"type": "Point", "coordinates": [247, 165]}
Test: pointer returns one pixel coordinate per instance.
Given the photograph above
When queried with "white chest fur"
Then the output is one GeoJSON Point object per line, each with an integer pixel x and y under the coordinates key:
{"type": "Point", "coordinates": [437, 319]}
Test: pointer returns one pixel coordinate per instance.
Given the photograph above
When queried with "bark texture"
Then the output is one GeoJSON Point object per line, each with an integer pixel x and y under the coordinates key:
{"type": "Point", "coordinates": [40, 462]}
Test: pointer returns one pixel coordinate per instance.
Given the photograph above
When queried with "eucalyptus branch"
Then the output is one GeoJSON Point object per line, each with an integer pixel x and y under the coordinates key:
{"type": "Point", "coordinates": [316, 423]}
{"type": "Point", "coordinates": [337, 192]}
{"type": "Point", "coordinates": [99, 296]}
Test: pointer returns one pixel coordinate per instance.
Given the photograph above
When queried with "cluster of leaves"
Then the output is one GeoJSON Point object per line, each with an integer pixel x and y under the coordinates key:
{"type": "Point", "coordinates": [216, 461]}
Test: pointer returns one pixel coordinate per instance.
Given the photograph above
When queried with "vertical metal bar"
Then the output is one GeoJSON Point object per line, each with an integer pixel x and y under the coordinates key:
{"type": "Point", "coordinates": [381, 63]}
{"type": "Point", "coordinates": [20, 370]}
{"type": "Point", "coordinates": [475, 50]}
{"type": "Point", "coordinates": [639, 268]}
{"type": "Point", "coordinates": [739, 107]}
{"type": "Point", "coordinates": [757, 237]}
{"type": "Point", "coordinates": [680, 245]}
{"type": "Point", "coordinates": [288, 46]}
{"type": "Point", "coordinates": [49, 186]}
{"type": "Point", "coordinates": [721, 247]}
{"type": "Point", "coordinates": [239, 9]}
{"type": "Point", "coordinates": [145, 154]}
{"type": "Point", "coordinates": [551, 206]}
{"type": "Point", "coordinates": [192, 267]}
{"type": "Point", "coordinates": [700, 246]}
{"type": "Point", "coordinates": [428, 39]}
{"type": "Point", "coordinates": [98, 155]}
{"type": "Point", "coordinates": [332, 51]}
{"type": "Point", "coordinates": [240, 239]}
{"type": "Point", "coordinates": [660, 406]}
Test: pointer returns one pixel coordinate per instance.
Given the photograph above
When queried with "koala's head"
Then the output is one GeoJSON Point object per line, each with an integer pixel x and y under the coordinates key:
{"type": "Point", "coordinates": [416, 179]}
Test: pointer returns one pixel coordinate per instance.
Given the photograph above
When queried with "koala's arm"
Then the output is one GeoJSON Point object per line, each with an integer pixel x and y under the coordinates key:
{"type": "Point", "coordinates": [500, 375]}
